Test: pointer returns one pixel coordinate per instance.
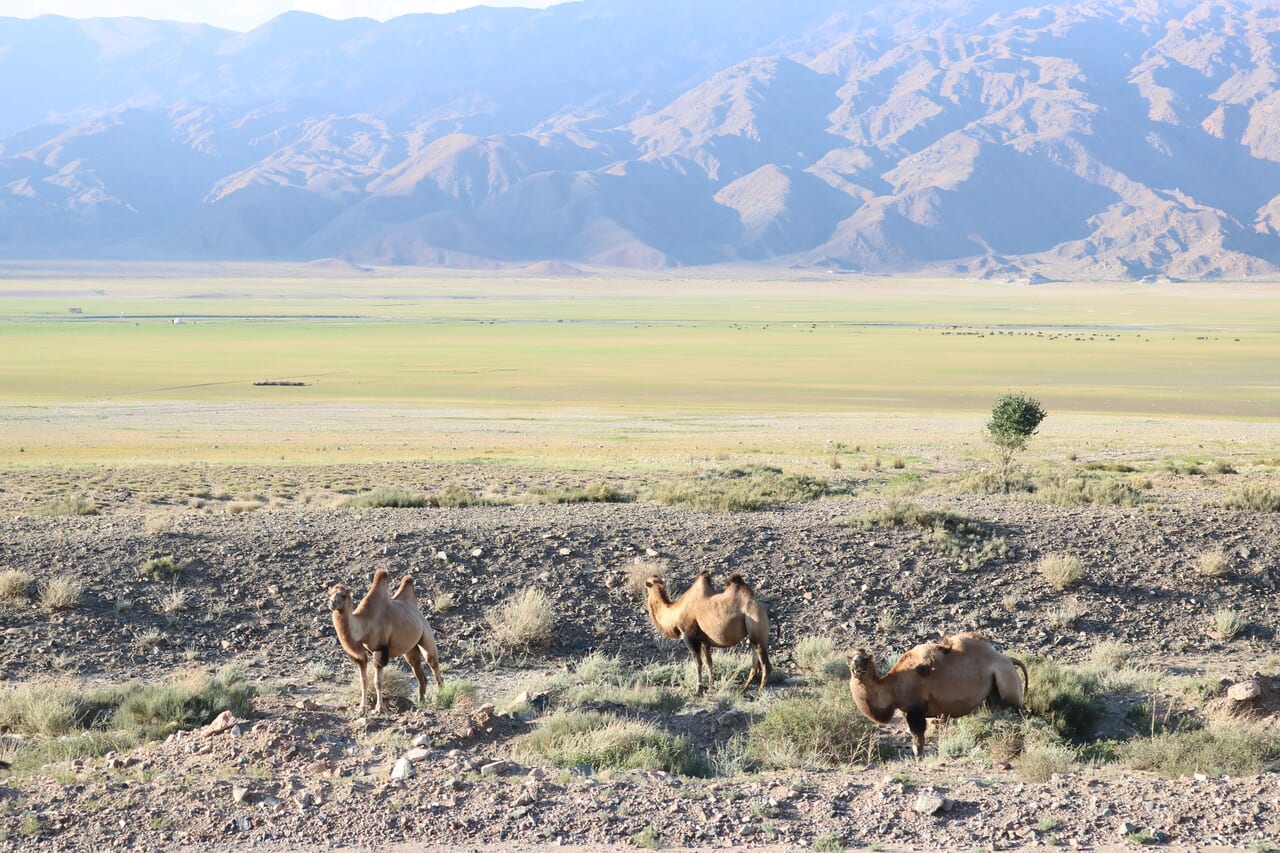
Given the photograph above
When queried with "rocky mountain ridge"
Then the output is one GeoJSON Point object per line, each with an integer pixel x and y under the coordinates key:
{"type": "Point", "coordinates": [971, 137]}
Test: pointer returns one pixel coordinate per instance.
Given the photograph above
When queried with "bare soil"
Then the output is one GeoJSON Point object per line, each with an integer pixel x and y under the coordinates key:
{"type": "Point", "coordinates": [303, 772]}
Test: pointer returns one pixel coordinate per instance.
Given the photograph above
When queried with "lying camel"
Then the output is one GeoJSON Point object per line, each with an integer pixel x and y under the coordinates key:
{"type": "Point", "coordinates": [707, 619]}
{"type": "Point", "coordinates": [385, 627]}
{"type": "Point", "coordinates": [947, 679]}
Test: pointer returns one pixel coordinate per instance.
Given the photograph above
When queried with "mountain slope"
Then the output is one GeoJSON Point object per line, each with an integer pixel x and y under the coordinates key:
{"type": "Point", "coordinates": [964, 137]}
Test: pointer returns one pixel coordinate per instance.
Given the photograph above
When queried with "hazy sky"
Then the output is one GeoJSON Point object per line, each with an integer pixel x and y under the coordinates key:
{"type": "Point", "coordinates": [242, 14]}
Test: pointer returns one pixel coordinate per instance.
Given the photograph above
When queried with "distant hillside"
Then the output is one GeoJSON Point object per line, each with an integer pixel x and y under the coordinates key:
{"type": "Point", "coordinates": [1087, 139]}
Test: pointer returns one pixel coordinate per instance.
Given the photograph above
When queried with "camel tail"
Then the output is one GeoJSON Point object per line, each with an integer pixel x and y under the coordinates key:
{"type": "Point", "coordinates": [1026, 679]}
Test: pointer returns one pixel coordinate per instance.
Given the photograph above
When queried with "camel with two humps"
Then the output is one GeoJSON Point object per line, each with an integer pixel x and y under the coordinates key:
{"type": "Point", "coordinates": [706, 618]}
{"type": "Point", "coordinates": [950, 678]}
{"type": "Point", "coordinates": [382, 627]}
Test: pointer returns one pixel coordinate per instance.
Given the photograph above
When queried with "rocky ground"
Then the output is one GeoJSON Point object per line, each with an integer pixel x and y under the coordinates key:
{"type": "Point", "coordinates": [303, 771]}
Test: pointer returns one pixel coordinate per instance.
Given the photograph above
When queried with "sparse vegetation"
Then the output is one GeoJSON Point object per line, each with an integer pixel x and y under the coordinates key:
{"type": "Point", "coordinates": [1254, 496]}
{"type": "Point", "coordinates": [1212, 563]}
{"type": "Point", "coordinates": [72, 505]}
{"type": "Point", "coordinates": [61, 592]}
{"type": "Point", "coordinates": [602, 741]}
{"type": "Point", "coordinates": [1229, 623]}
{"type": "Point", "coordinates": [814, 731]}
{"type": "Point", "coordinates": [524, 621]}
{"type": "Point", "coordinates": [1062, 571]}
{"type": "Point", "coordinates": [16, 585]}
{"type": "Point", "coordinates": [736, 489]}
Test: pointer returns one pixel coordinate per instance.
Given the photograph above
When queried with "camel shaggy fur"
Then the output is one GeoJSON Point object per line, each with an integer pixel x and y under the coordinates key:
{"type": "Point", "coordinates": [707, 619]}
{"type": "Point", "coordinates": [384, 626]}
{"type": "Point", "coordinates": [947, 679]}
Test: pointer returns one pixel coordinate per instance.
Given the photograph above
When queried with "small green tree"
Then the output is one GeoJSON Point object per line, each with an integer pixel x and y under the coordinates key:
{"type": "Point", "coordinates": [1014, 419]}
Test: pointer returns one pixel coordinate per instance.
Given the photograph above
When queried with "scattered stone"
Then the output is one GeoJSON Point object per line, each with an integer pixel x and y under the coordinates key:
{"type": "Point", "coordinates": [224, 722]}
{"type": "Point", "coordinates": [1245, 691]}
{"type": "Point", "coordinates": [403, 769]}
{"type": "Point", "coordinates": [494, 768]}
{"type": "Point", "coordinates": [929, 804]}
{"type": "Point", "coordinates": [239, 793]}
{"type": "Point", "coordinates": [418, 753]}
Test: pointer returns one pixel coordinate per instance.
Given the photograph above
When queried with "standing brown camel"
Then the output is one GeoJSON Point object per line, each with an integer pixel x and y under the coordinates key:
{"type": "Point", "coordinates": [947, 679]}
{"type": "Point", "coordinates": [707, 619]}
{"type": "Point", "coordinates": [384, 626]}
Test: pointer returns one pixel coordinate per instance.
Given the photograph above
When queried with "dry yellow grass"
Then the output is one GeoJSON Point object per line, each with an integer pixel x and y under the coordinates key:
{"type": "Point", "coordinates": [524, 621]}
{"type": "Point", "coordinates": [1061, 570]}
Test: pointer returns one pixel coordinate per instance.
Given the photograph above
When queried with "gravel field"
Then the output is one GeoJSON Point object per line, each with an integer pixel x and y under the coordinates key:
{"type": "Point", "coordinates": [301, 771]}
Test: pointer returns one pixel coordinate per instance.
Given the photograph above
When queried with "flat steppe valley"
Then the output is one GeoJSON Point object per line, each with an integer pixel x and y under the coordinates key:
{"type": "Point", "coordinates": [170, 529]}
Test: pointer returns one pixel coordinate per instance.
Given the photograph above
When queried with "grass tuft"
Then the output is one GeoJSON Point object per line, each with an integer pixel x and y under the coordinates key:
{"type": "Point", "coordinates": [61, 593]}
{"type": "Point", "coordinates": [16, 585]}
{"type": "Point", "coordinates": [822, 731]}
{"type": "Point", "coordinates": [1061, 570]}
{"type": "Point", "coordinates": [602, 741]}
{"type": "Point", "coordinates": [1213, 563]}
{"type": "Point", "coordinates": [524, 621]}
{"type": "Point", "coordinates": [1253, 496]}
{"type": "Point", "coordinates": [75, 505]}
{"type": "Point", "coordinates": [743, 489]}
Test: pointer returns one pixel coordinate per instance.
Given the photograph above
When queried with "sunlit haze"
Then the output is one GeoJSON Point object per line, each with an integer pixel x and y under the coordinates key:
{"type": "Point", "coordinates": [242, 14]}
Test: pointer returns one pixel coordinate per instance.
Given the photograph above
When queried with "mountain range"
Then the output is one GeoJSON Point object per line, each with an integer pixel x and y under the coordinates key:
{"type": "Point", "coordinates": [980, 138]}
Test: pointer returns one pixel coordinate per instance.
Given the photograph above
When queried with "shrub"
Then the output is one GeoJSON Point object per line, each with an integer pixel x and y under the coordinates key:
{"type": "Point", "coordinates": [602, 741]}
{"type": "Point", "coordinates": [455, 693]}
{"type": "Point", "coordinates": [1229, 623]}
{"type": "Point", "coordinates": [813, 732]}
{"type": "Point", "coordinates": [1064, 696]}
{"type": "Point", "coordinates": [386, 496]}
{"type": "Point", "coordinates": [1039, 762]}
{"type": "Point", "coordinates": [525, 620]}
{"type": "Point", "coordinates": [15, 585]}
{"type": "Point", "coordinates": [157, 710]}
{"type": "Point", "coordinates": [819, 657]}
{"type": "Point", "coordinates": [77, 505]}
{"type": "Point", "coordinates": [752, 488]}
{"type": "Point", "coordinates": [1015, 417]}
{"type": "Point", "coordinates": [1213, 563]}
{"type": "Point", "coordinates": [596, 493]}
{"type": "Point", "coordinates": [44, 708]}
{"type": "Point", "coordinates": [61, 592]}
{"type": "Point", "coordinates": [1233, 750]}
{"type": "Point", "coordinates": [1061, 570]}
{"type": "Point", "coordinates": [456, 496]}
{"type": "Point", "coordinates": [1067, 490]}
{"type": "Point", "coordinates": [161, 568]}
{"type": "Point", "coordinates": [1254, 497]}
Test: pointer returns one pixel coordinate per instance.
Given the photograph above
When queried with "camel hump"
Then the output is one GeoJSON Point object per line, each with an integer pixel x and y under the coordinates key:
{"type": "Point", "coordinates": [736, 581]}
{"type": "Point", "coordinates": [381, 576]}
{"type": "Point", "coordinates": [406, 590]}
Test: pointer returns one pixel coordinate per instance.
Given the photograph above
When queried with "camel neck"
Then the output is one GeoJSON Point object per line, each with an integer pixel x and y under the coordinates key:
{"type": "Point", "coordinates": [342, 624]}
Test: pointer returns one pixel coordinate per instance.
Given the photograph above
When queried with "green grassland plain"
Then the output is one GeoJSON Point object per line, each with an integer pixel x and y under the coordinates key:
{"type": "Point", "coordinates": [471, 366]}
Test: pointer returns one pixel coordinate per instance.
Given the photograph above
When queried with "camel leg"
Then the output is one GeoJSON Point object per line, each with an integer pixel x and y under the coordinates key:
{"type": "Point", "coordinates": [917, 723]}
{"type": "Point", "coordinates": [362, 670]}
{"type": "Point", "coordinates": [760, 667]}
{"type": "Point", "coordinates": [711, 673]}
{"type": "Point", "coordinates": [414, 657]}
{"type": "Point", "coordinates": [695, 648]}
{"type": "Point", "coordinates": [380, 658]}
{"type": "Point", "coordinates": [433, 661]}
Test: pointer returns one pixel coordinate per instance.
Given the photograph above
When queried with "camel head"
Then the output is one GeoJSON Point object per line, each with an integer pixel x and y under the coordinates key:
{"type": "Point", "coordinates": [339, 597]}
{"type": "Point", "coordinates": [655, 584]}
{"type": "Point", "coordinates": [860, 662]}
